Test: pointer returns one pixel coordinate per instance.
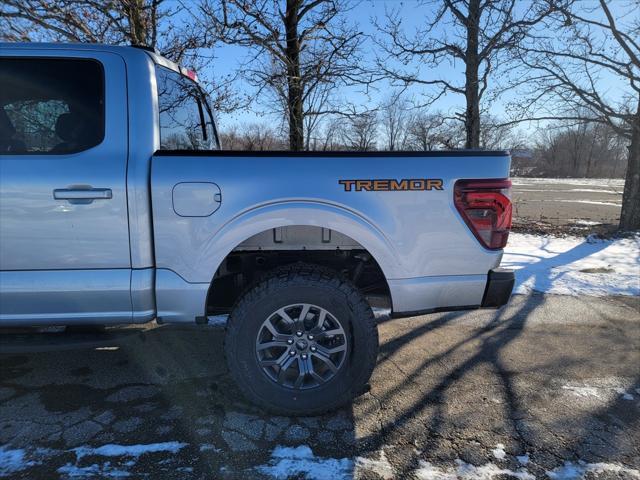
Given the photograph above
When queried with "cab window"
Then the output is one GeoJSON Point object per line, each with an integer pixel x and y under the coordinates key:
{"type": "Point", "coordinates": [184, 116]}
{"type": "Point", "coordinates": [50, 106]}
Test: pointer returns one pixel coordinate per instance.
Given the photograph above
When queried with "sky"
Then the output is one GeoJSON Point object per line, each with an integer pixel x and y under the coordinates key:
{"type": "Point", "coordinates": [228, 59]}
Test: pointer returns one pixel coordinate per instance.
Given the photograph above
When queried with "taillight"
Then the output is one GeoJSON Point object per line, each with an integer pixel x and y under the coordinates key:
{"type": "Point", "coordinates": [485, 206]}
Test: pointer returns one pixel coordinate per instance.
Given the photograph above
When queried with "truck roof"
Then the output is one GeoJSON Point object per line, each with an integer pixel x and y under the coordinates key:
{"type": "Point", "coordinates": [128, 52]}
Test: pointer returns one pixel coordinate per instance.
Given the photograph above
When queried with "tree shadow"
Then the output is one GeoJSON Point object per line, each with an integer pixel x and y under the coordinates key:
{"type": "Point", "coordinates": [505, 327]}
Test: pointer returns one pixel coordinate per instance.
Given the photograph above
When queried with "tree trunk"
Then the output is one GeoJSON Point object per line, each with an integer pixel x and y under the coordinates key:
{"type": "Point", "coordinates": [630, 214]}
{"type": "Point", "coordinates": [294, 82]}
{"type": "Point", "coordinates": [137, 23]}
{"type": "Point", "coordinates": [472, 114]}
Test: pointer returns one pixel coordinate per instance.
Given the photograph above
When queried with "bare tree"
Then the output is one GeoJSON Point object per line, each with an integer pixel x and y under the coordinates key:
{"type": "Point", "coordinates": [114, 21]}
{"type": "Point", "coordinates": [360, 132]}
{"type": "Point", "coordinates": [479, 34]}
{"type": "Point", "coordinates": [394, 116]}
{"type": "Point", "coordinates": [331, 135]}
{"type": "Point", "coordinates": [574, 70]}
{"type": "Point", "coordinates": [150, 23]}
{"type": "Point", "coordinates": [252, 136]}
{"type": "Point", "coordinates": [301, 50]}
{"type": "Point", "coordinates": [587, 149]}
{"type": "Point", "coordinates": [428, 132]}
{"type": "Point", "coordinates": [494, 134]}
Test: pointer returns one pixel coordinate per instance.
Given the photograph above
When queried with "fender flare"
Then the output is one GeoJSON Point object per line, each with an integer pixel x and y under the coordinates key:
{"type": "Point", "coordinates": [304, 213]}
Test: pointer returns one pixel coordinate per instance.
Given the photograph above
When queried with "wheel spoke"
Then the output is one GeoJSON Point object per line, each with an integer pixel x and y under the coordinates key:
{"type": "Point", "coordinates": [327, 361]}
{"type": "Point", "coordinates": [272, 362]}
{"type": "Point", "coordinates": [311, 371]}
{"type": "Point", "coordinates": [329, 333]}
{"type": "Point", "coordinates": [272, 344]}
{"type": "Point", "coordinates": [328, 351]}
{"type": "Point", "coordinates": [285, 316]}
{"type": "Point", "coordinates": [321, 318]}
{"type": "Point", "coordinates": [277, 336]}
{"type": "Point", "coordinates": [303, 315]}
{"type": "Point", "coordinates": [285, 366]}
{"type": "Point", "coordinates": [302, 372]}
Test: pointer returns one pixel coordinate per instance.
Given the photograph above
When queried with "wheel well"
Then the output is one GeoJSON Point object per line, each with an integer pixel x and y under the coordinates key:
{"type": "Point", "coordinates": [251, 260]}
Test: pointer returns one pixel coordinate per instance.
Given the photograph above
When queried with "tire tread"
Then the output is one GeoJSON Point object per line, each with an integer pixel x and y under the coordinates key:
{"type": "Point", "coordinates": [304, 274]}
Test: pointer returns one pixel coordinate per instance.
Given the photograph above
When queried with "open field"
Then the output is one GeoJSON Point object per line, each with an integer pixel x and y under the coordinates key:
{"type": "Point", "coordinates": [583, 203]}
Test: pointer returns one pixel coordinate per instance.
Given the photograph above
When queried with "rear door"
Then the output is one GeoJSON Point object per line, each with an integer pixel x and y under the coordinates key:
{"type": "Point", "coordinates": [64, 238]}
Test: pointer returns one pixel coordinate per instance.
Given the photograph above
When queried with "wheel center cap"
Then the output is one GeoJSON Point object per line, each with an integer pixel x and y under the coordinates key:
{"type": "Point", "coordinates": [301, 344]}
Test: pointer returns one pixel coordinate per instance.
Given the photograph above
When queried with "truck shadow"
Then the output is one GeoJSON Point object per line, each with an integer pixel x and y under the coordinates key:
{"type": "Point", "coordinates": [164, 385]}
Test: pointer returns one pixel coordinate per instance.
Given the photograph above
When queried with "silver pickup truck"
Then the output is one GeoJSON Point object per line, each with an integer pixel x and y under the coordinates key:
{"type": "Point", "coordinates": [117, 205]}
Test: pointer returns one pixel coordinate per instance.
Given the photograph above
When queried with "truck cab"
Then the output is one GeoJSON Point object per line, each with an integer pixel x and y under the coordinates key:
{"type": "Point", "coordinates": [78, 127]}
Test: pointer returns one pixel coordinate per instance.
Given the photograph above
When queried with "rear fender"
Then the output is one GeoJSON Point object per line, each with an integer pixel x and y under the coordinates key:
{"type": "Point", "coordinates": [282, 214]}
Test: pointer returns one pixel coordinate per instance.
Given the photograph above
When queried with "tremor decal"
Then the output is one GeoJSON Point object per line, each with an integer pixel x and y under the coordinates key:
{"type": "Point", "coordinates": [392, 185]}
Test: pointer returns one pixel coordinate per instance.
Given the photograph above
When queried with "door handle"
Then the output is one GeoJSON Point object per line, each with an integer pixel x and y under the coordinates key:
{"type": "Point", "coordinates": [82, 195]}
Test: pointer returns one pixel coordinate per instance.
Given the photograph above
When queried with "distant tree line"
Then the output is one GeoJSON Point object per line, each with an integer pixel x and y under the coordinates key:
{"type": "Point", "coordinates": [556, 58]}
{"type": "Point", "coordinates": [558, 150]}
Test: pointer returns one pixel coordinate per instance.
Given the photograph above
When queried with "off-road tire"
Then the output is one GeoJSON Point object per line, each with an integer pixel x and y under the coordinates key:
{"type": "Point", "coordinates": [292, 284]}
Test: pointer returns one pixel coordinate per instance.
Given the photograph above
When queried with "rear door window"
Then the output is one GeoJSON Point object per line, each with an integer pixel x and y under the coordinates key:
{"type": "Point", "coordinates": [50, 106]}
{"type": "Point", "coordinates": [184, 117]}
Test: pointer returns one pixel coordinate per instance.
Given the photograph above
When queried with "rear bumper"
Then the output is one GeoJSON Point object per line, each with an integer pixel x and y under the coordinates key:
{"type": "Point", "coordinates": [500, 283]}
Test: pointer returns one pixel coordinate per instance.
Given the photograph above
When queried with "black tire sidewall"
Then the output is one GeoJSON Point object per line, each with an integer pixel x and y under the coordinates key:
{"type": "Point", "coordinates": [260, 305]}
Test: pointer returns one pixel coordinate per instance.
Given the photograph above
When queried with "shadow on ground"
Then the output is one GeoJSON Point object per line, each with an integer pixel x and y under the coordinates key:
{"type": "Point", "coordinates": [547, 380]}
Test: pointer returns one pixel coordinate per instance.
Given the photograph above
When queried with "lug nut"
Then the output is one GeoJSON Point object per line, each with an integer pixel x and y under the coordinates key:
{"type": "Point", "coordinates": [292, 352]}
{"type": "Point", "coordinates": [310, 337]}
{"type": "Point", "coordinates": [290, 341]}
{"type": "Point", "coordinates": [299, 333]}
{"type": "Point", "coordinates": [304, 356]}
{"type": "Point", "coordinates": [313, 349]}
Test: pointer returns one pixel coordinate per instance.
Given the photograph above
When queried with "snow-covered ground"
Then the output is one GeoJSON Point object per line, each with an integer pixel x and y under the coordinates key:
{"type": "Point", "coordinates": [301, 462]}
{"type": "Point", "coordinates": [574, 266]}
{"type": "Point", "coordinates": [596, 182]}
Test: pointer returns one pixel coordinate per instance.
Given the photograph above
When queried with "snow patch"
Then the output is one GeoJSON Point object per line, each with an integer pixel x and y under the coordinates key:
{"type": "Point", "coordinates": [217, 320]}
{"type": "Point", "coordinates": [603, 390]}
{"type": "Point", "coordinates": [466, 471]}
{"type": "Point", "coordinates": [12, 460]}
{"type": "Point", "coordinates": [591, 202]}
{"type": "Point", "coordinates": [209, 447]}
{"type": "Point", "coordinates": [588, 223]}
{"type": "Point", "coordinates": [381, 313]}
{"type": "Point", "coordinates": [107, 469]}
{"type": "Point", "coordinates": [300, 461]}
{"type": "Point", "coordinates": [380, 467]}
{"type": "Point", "coordinates": [574, 266]}
{"type": "Point", "coordinates": [624, 393]}
{"type": "Point", "coordinates": [571, 471]}
{"type": "Point", "coordinates": [101, 471]}
{"type": "Point", "coordinates": [113, 450]}
{"type": "Point", "coordinates": [499, 452]}
{"type": "Point", "coordinates": [595, 182]}
{"type": "Point", "coordinates": [583, 391]}
{"type": "Point", "coordinates": [594, 190]}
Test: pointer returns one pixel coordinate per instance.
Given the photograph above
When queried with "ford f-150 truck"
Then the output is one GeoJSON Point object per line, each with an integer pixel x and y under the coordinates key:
{"type": "Point", "coordinates": [117, 205]}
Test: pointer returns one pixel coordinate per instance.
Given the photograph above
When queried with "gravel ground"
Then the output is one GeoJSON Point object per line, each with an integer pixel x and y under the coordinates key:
{"type": "Point", "coordinates": [547, 387]}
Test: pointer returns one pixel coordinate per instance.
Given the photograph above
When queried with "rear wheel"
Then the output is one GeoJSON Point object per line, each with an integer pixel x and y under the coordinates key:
{"type": "Point", "coordinates": [302, 341]}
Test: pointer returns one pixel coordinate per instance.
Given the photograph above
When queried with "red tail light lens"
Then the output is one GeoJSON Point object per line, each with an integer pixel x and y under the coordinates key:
{"type": "Point", "coordinates": [485, 206]}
